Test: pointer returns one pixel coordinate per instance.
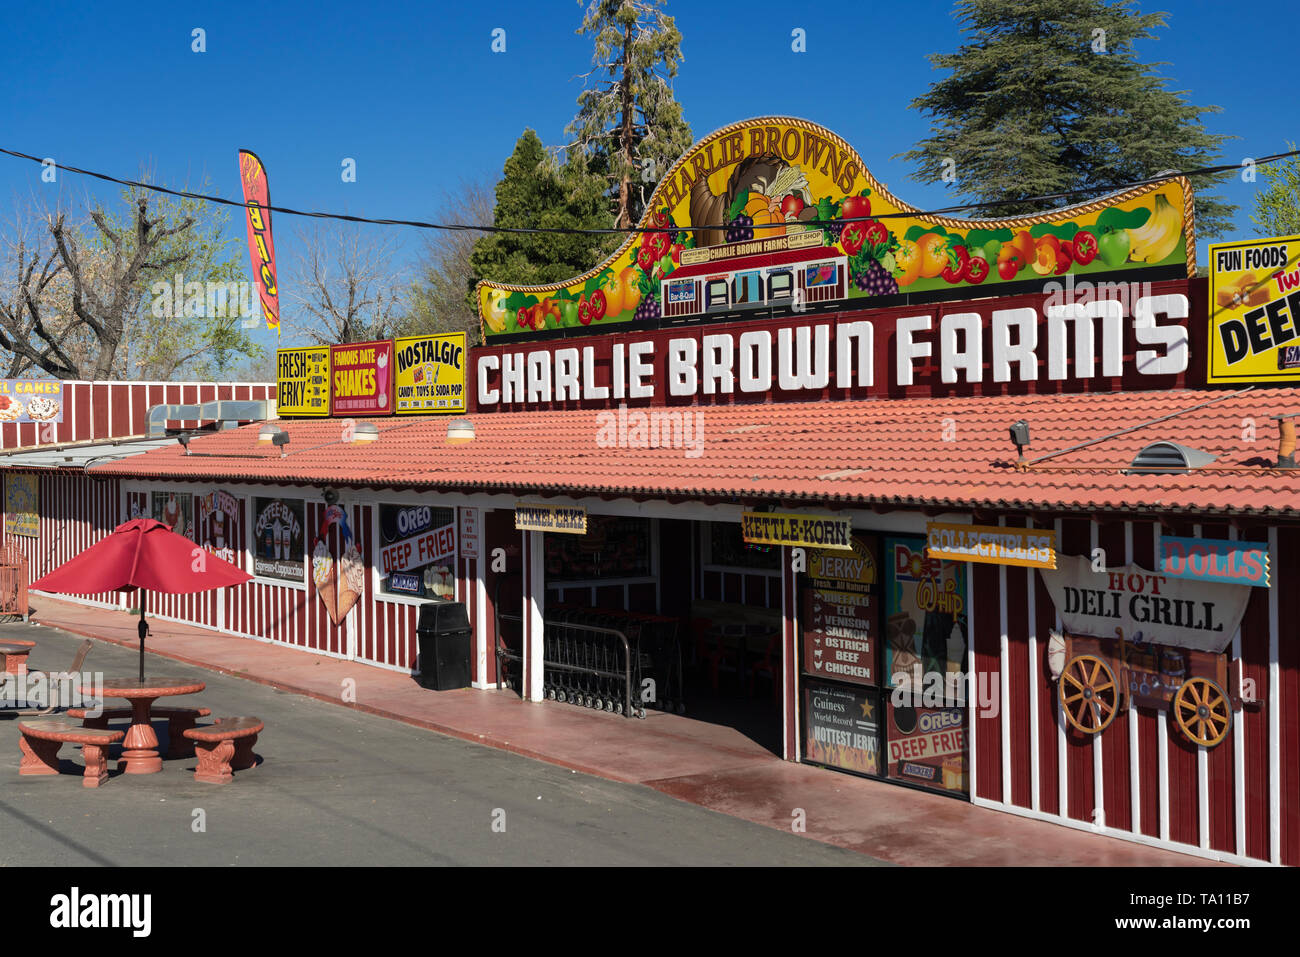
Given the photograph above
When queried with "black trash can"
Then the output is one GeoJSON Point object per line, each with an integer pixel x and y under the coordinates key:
{"type": "Point", "coordinates": [444, 635]}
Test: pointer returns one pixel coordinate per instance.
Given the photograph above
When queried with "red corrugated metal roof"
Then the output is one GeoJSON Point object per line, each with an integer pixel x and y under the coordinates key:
{"type": "Point", "coordinates": [952, 452]}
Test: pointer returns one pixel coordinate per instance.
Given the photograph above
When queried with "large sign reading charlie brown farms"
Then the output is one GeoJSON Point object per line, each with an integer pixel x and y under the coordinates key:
{"type": "Point", "coordinates": [1144, 605]}
{"type": "Point", "coordinates": [302, 381]}
{"type": "Point", "coordinates": [1255, 311]}
{"type": "Point", "coordinates": [430, 375]}
{"type": "Point", "coordinates": [763, 196]}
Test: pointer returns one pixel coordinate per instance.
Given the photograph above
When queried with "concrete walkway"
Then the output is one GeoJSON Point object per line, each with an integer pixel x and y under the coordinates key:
{"type": "Point", "coordinates": [710, 765]}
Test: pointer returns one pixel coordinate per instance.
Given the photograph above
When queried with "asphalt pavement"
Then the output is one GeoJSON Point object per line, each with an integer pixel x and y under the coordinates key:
{"type": "Point", "coordinates": [337, 786]}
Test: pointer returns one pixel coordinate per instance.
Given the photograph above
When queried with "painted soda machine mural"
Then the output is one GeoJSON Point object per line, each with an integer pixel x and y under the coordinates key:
{"type": "Point", "coordinates": [762, 186]}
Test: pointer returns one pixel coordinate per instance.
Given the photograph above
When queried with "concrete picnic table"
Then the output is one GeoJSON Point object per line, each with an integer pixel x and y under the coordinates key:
{"type": "Point", "coordinates": [15, 655]}
{"type": "Point", "coordinates": [140, 746]}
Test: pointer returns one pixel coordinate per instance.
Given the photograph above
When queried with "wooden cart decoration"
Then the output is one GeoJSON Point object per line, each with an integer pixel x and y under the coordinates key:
{"type": "Point", "coordinates": [1101, 675]}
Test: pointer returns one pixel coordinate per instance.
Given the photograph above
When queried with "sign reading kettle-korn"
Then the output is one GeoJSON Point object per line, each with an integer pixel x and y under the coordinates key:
{"type": "Point", "coordinates": [765, 191]}
{"type": "Point", "coordinates": [431, 373]}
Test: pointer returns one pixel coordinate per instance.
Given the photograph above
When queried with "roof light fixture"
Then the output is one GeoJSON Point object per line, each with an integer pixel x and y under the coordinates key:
{"type": "Point", "coordinates": [268, 432]}
{"type": "Point", "coordinates": [365, 432]}
{"type": "Point", "coordinates": [280, 439]}
{"type": "Point", "coordinates": [460, 431]}
{"type": "Point", "coordinates": [1020, 439]}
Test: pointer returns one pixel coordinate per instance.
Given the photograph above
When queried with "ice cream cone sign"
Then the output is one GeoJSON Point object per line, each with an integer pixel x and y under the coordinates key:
{"type": "Point", "coordinates": [339, 584]}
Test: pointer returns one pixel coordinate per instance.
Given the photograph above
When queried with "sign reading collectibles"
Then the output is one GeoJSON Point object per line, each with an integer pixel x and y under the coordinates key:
{"type": "Point", "coordinates": [302, 381]}
{"type": "Point", "coordinates": [431, 374]}
{"type": "Point", "coordinates": [1255, 311]}
{"type": "Point", "coordinates": [1185, 613]}
{"type": "Point", "coordinates": [776, 528]}
{"type": "Point", "coordinates": [993, 544]}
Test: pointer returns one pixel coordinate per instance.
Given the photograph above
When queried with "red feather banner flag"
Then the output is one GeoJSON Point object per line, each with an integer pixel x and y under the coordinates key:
{"type": "Point", "coordinates": [257, 202]}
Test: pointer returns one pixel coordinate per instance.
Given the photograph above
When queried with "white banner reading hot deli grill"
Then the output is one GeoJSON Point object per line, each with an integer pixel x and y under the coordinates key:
{"type": "Point", "coordinates": [1148, 606]}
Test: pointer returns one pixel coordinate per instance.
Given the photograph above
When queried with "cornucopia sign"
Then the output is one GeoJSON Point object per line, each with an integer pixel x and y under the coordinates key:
{"type": "Point", "coordinates": [764, 191]}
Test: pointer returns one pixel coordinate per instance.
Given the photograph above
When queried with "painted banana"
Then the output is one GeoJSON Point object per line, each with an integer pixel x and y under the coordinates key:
{"type": "Point", "coordinates": [1158, 236]}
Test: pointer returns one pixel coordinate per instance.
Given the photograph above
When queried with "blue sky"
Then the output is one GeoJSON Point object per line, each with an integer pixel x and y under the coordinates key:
{"type": "Point", "coordinates": [413, 93]}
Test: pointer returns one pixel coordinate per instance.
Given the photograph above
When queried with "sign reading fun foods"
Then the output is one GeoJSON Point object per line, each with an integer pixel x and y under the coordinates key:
{"type": "Point", "coordinates": [1255, 311]}
{"type": "Point", "coordinates": [765, 191]}
{"type": "Point", "coordinates": [31, 400]}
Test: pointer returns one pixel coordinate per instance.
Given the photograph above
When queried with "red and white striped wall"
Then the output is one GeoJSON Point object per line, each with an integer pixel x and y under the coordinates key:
{"type": "Point", "coordinates": [112, 410]}
{"type": "Point", "coordinates": [1140, 779]}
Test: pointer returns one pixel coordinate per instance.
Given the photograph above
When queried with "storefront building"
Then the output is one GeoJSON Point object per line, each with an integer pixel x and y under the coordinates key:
{"type": "Point", "coordinates": [1010, 539]}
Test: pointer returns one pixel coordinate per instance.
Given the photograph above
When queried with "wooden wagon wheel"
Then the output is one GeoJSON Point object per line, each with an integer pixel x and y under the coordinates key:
{"type": "Point", "coordinates": [1089, 693]}
{"type": "Point", "coordinates": [1202, 710]}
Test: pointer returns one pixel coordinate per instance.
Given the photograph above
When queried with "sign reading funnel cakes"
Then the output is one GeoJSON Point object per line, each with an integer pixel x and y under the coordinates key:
{"type": "Point", "coordinates": [31, 400]}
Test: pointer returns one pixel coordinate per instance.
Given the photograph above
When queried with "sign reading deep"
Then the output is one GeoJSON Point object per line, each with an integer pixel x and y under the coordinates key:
{"type": "Point", "coordinates": [774, 528]}
{"type": "Point", "coordinates": [431, 374]}
{"type": "Point", "coordinates": [302, 381]}
{"type": "Point", "coordinates": [1255, 311]}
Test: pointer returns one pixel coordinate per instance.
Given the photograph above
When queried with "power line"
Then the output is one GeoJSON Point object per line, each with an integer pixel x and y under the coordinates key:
{"type": "Point", "coordinates": [691, 228]}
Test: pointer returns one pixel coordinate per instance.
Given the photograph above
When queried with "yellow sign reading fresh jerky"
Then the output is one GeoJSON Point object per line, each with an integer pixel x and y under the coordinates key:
{"type": "Point", "coordinates": [302, 380]}
{"type": "Point", "coordinates": [431, 374]}
{"type": "Point", "coordinates": [776, 528]}
{"type": "Point", "coordinates": [750, 223]}
{"type": "Point", "coordinates": [1255, 311]}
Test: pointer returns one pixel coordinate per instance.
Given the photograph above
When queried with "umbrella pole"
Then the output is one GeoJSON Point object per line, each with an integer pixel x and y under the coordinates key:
{"type": "Point", "coordinates": [142, 629]}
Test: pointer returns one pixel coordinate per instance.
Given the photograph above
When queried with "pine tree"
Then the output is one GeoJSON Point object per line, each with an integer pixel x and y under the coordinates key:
{"type": "Point", "coordinates": [1277, 207]}
{"type": "Point", "coordinates": [629, 126]}
{"type": "Point", "coordinates": [1049, 95]}
{"type": "Point", "coordinates": [535, 190]}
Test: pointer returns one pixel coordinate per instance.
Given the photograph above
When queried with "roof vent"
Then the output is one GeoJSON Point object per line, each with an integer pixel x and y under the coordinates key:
{"type": "Point", "coordinates": [1168, 458]}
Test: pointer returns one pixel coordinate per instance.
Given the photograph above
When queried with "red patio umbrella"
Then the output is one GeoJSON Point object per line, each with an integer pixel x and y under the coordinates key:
{"type": "Point", "coordinates": [147, 555]}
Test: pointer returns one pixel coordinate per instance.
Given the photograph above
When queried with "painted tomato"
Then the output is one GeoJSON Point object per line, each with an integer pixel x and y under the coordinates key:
{"type": "Point", "coordinates": [934, 254]}
{"type": "Point", "coordinates": [524, 317]}
{"type": "Point", "coordinates": [977, 270]}
{"type": "Point", "coordinates": [599, 305]}
{"type": "Point", "coordinates": [791, 206]}
{"type": "Point", "coordinates": [662, 219]}
{"type": "Point", "coordinates": [658, 243]}
{"type": "Point", "coordinates": [853, 238]}
{"type": "Point", "coordinates": [1064, 257]}
{"type": "Point", "coordinates": [908, 258]}
{"type": "Point", "coordinates": [584, 310]}
{"type": "Point", "coordinates": [955, 269]}
{"type": "Point", "coordinates": [877, 233]}
{"type": "Point", "coordinates": [645, 258]}
{"type": "Point", "coordinates": [1007, 268]}
{"type": "Point", "coordinates": [1085, 247]}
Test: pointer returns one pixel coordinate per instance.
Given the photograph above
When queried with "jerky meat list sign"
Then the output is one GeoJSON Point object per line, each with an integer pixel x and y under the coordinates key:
{"type": "Point", "coordinates": [837, 614]}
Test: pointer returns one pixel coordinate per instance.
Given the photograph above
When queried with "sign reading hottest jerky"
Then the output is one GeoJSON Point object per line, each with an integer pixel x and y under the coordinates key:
{"type": "Point", "coordinates": [362, 378]}
{"type": "Point", "coordinates": [1255, 311]}
{"type": "Point", "coordinates": [430, 374]}
{"type": "Point", "coordinates": [841, 727]}
{"type": "Point", "coordinates": [302, 381]}
{"type": "Point", "coordinates": [838, 614]}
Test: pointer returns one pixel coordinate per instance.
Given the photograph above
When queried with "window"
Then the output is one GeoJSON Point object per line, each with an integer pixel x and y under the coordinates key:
{"type": "Point", "coordinates": [820, 274]}
{"type": "Point", "coordinates": [175, 510]}
{"type": "Point", "coordinates": [615, 547]}
{"type": "Point", "coordinates": [278, 538]}
{"type": "Point", "coordinates": [748, 287]}
{"type": "Point", "coordinates": [715, 293]}
{"type": "Point", "coordinates": [780, 285]}
{"type": "Point", "coordinates": [417, 551]}
{"type": "Point", "coordinates": [728, 547]}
